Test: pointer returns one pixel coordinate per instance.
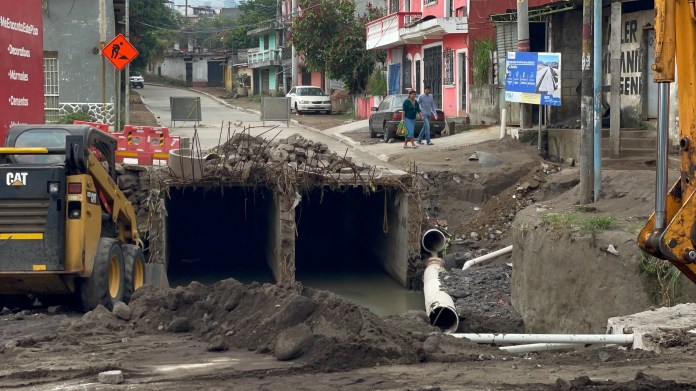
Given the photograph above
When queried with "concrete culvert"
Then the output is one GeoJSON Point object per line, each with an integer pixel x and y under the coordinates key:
{"type": "Point", "coordinates": [218, 233]}
{"type": "Point", "coordinates": [351, 233]}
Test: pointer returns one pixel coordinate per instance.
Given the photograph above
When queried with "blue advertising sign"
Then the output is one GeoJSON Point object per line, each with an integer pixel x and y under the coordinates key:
{"type": "Point", "coordinates": [533, 78]}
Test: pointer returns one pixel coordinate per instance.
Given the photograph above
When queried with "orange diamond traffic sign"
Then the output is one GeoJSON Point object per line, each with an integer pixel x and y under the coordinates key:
{"type": "Point", "coordinates": [120, 52]}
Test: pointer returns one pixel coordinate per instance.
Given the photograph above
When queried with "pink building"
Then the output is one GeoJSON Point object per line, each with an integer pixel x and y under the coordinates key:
{"type": "Point", "coordinates": [428, 41]}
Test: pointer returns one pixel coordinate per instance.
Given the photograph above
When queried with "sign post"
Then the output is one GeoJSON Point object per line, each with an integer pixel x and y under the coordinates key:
{"type": "Point", "coordinates": [533, 78]}
{"type": "Point", "coordinates": [21, 65]}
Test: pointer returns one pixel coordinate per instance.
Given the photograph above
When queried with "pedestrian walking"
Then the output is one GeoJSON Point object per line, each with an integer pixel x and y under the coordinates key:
{"type": "Point", "coordinates": [411, 110]}
{"type": "Point", "coordinates": [427, 106]}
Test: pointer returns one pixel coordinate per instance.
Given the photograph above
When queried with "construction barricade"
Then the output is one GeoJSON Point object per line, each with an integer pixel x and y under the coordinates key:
{"type": "Point", "coordinates": [100, 126]}
{"type": "Point", "coordinates": [145, 145]}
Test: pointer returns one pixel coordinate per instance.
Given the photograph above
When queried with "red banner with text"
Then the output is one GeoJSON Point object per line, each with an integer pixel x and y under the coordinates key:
{"type": "Point", "coordinates": [21, 67]}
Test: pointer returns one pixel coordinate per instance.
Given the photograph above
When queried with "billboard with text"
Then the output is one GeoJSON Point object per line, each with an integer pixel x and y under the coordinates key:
{"type": "Point", "coordinates": [21, 67]}
{"type": "Point", "coordinates": [533, 78]}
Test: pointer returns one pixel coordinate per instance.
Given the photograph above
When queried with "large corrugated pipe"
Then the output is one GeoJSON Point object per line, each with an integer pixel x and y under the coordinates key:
{"type": "Point", "coordinates": [439, 306]}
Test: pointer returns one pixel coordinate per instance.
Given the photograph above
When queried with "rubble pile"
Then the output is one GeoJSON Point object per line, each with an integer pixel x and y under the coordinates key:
{"type": "Point", "coordinates": [243, 151]}
{"type": "Point", "coordinates": [134, 182]}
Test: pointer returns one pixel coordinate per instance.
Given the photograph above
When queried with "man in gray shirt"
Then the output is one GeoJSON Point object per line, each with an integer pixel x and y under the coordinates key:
{"type": "Point", "coordinates": [427, 106]}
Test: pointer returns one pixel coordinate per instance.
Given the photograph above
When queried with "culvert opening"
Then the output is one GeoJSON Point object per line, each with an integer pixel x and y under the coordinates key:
{"type": "Point", "coordinates": [355, 243]}
{"type": "Point", "coordinates": [217, 233]}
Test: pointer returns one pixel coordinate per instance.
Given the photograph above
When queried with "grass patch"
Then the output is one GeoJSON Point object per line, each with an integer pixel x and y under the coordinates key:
{"type": "Point", "coordinates": [559, 219]}
{"type": "Point", "coordinates": [662, 279]}
{"type": "Point", "coordinates": [595, 224]}
{"type": "Point", "coordinates": [589, 224]}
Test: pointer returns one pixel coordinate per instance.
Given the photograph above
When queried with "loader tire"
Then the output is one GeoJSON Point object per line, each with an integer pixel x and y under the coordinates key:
{"type": "Point", "coordinates": [107, 285]}
{"type": "Point", "coordinates": [135, 269]}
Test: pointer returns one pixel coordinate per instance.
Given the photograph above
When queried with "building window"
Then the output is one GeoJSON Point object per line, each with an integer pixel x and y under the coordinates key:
{"type": "Point", "coordinates": [393, 6]}
{"type": "Point", "coordinates": [429, 2]}
{"type": "Point", "coordinates": [51, 87]}
{"type": "Point", "coordinates": [448, 57]}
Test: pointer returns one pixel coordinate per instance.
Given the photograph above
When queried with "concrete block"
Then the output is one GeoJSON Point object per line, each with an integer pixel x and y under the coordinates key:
{"type": "Point", "coordinates": [649, 327]}
{"type": "Point", "coordinates": [110, 377]}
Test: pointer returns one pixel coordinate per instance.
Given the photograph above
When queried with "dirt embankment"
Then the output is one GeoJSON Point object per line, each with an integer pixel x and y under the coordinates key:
{"type": "Point", "coordinates": [576, 266]}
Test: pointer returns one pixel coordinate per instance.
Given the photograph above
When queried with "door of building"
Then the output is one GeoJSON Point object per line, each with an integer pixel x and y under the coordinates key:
{"type": "Point", "coordinates": [418, 75]}
{"type": "Point", "coordinates": [215, 73]}
{"type": "Point", "coordinates": [394, 78]}
{"type": "Point", "coordinates": [461, 82]}
{"type": "Point", "coordinates": [406, 80]}
{"type": "Point", "coordinates": [189, 74]}
{"type": "Point", "coordinates": [651, 87]}
{"type": "Point", "coordinates": [432, 72]}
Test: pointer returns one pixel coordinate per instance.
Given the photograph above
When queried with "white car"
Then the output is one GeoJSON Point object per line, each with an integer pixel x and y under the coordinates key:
{"type": "Point", "coordinates": [309, 98]}
{"type": "Point", "coordinates": [137, 81]}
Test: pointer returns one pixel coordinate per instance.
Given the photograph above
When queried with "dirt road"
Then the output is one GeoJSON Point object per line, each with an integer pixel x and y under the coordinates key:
{"type": "Point", "coordinates": [230, 335]}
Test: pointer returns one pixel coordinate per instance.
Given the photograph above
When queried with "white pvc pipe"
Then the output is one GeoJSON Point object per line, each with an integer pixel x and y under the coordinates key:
{"type": "Point", "coordinates": [487, 257]}
{"type": "Point", "coordinates": [433, 241]}
{"type": "Point", "coordinates": [618, 339]}
{"type": "Point", "coordinates": [439, 306]}
{"type": "Point", "coordinates": [539, 347]}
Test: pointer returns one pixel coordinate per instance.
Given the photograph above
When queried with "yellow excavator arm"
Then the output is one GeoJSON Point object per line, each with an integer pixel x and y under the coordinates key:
{"type": "Point", "coordinates": [670, 233]}
{"type": "Point", "coordinates": [121, 209]}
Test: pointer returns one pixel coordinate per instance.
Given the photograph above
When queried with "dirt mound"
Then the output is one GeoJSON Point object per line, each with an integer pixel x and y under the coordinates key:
{"type": "Point", "coordinates": [253, 316]}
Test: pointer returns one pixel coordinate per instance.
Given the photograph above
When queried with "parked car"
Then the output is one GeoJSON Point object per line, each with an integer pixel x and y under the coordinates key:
{"type": "Point", "coordinates": [386, 117]}
{"type": "Point", "coordinates": [137, 81]}
{"type": "Point", "coordinates": [309, 98]}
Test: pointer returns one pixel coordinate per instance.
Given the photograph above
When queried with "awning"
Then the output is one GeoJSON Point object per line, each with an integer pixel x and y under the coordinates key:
{"type": "Point", "coordinates": [536, 14]}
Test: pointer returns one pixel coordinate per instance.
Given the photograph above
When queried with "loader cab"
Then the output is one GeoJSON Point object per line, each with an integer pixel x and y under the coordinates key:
{"type": "Point", "coordinates": [102, 144]}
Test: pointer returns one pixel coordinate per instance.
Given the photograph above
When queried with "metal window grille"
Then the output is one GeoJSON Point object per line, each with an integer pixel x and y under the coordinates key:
{"type": "Point", "coordinates": [51, 87]}
{"type": "Point", "coordinates": [448, 56]}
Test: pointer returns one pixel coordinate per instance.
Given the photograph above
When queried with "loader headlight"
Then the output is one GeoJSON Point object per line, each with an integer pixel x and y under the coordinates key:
{"type": "Point", "coordinates": [74, 214]}
{"type": "Point", "coordinates": [53, 187]}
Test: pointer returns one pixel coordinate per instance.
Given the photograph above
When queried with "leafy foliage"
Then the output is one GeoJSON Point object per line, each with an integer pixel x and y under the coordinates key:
{"type": "Point", "coordinates": [332, 39]}
{"type": "Point", "coordinates": [481, 59]}
{"type": "Point", "coordinates": [230, 33]}
{"type": "Point", "coordinates": [78, 115]}
{"type": "Point", "coordinates": [377, 84]}
{"type": "Point", "coordinates": [153, 30]}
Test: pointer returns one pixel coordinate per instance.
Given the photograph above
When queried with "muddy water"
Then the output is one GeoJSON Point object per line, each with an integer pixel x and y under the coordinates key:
{"type": "Point", "coordinates": [372, 289]}
{"type": "Point", "coordinates": [376, 291]}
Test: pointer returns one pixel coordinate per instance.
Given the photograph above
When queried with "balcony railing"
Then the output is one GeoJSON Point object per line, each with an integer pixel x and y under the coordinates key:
{"type": "Point", "coordinates": [383, 33]}
{"type": "Point", "coordinates": [433, 29]}
{"type": "Point", "coordinates": [266, 58]}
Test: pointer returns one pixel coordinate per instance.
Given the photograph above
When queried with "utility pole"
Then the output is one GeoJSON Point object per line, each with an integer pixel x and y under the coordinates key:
{"type": "Point", "coordinates": [523, 46]}
{"type": "Point", "coordinates": [127, 103]}
{"type": "Point", "coordinates": [186, 9]}
{"type": "Point", "coordinates": [294, 51]}
{"type": "Point", "coordinates": [587, 106]}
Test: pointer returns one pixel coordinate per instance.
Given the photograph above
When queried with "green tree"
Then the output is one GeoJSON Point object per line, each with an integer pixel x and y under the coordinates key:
{"type": "Point", "coordinates": [230, 33]}
{"type": "Point", "coordinates": [153, 30]}
{"type": "Point", "coordinates": [331, 38]}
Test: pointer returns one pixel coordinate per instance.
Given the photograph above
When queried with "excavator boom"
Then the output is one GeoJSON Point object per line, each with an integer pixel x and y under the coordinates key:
{"type": "Point", "coordinates": [670, 233]}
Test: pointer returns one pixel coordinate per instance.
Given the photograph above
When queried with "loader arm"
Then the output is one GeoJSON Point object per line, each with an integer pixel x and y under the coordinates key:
{"type": "Point", "coordinates": [670, 233]}
{"type": "Point", "coordinates": [122, 211]}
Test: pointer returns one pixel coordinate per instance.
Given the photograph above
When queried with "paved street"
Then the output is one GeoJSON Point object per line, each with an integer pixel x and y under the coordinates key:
{"type": "Point", "coordinates": [215, 112]}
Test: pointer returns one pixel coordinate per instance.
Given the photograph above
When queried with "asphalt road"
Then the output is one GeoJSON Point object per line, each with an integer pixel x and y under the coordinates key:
{"type": "Point", "coordinates": [216, 115]}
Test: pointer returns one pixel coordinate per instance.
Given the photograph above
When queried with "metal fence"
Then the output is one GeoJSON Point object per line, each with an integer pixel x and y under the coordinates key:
{"type": "Point", "coordinates": [275, 109]}
{"type": "Point", "coordinates": [185, 108]}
